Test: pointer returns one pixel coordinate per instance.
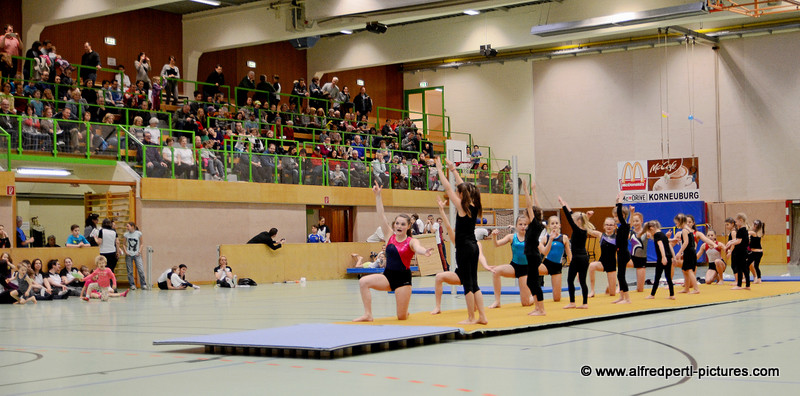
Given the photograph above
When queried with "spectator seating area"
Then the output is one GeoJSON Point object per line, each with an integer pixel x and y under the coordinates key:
{"type": "Point", "coordinates": [289, 139]}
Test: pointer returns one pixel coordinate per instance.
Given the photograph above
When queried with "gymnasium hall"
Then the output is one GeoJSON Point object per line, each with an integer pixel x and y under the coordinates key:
{"type": "Point", "coordinates": [385, 197]}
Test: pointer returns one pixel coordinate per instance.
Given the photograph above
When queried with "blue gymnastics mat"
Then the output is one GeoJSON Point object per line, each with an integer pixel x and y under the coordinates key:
{"type": "Point", "coordinates": [505, 290]}
{"type": "Point", "coordinates": [374, 270]}
{"type": "Point", "coordinates": [779, 278]}
{"type": "Point", "coordinates": [318, 337]}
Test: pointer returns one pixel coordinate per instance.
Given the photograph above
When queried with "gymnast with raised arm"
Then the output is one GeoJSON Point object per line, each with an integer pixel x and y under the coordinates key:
{"type": "Point", "coordinates": [467, 201]}
{"type": "Point", "coordinates": [400, 249]}
{"type": "Point", "coordinates": [450, 277]}
{"type": "Point", "coordinates": [581, 226]}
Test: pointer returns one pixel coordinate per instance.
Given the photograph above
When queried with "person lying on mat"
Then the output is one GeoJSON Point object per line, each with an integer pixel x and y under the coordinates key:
{"type": "Point", "coordinates": [400, 249]}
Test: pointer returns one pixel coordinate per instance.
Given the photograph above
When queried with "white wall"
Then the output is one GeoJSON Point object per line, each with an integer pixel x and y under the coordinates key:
{"type": "Point", "coordinates": [493, 102]}
{"type": "Point", "coordinates": [587, 113]}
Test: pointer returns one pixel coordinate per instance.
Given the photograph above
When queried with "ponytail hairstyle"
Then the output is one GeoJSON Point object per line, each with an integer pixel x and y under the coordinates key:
{"type": "Point", "coordinates": [652, 224]}
{"type": "Point", "coordinates": [584, 219]}
{"type": "Point", "coordinates": [758, 226]}
{"type": "Point", "coordinates": [680, 220]}
{"type": "Point", "coordinates": [408, 220]}
{"type": "Point", "coordinates": [470, 196]}
{"type": "Point", "coordinates": [130, 223]}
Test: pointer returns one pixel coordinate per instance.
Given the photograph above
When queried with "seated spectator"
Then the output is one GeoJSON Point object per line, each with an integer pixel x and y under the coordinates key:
{"type": "Point", "coordinates": [184, 120]}
{"type": "Point", "coordinates": [71, 277]}
{"type": "Point", "coordinates": [338, 178]}
{"type": "Point", "coordinates": [59, 290]}
{"type": "Point", "coordinates": [175, 279]}
{"type": "Point", "coordinates": [155, 164]}
{"type": "Point", "coordinates": [211, 164]}
{"type": "Point", "coordinates": [184, 160]}
{"type": "Point", "coordinates": [379, 172]}
{"type": "Point", "coordinates": [224, 274]}
{"type": "Point", "coordinates": [24, 292]}
{"type": "Point", "coordinates": [31, 129]}
{"type": "Point", "coordinates": [155, 133]}
{"type": "Point", "coordinates": [267, 238]}
{"type": "Point", "coordinates": [75, 239]}
{"type": "Point", "coordinates": [51, 242]}
{"type": "Point", "coordinates": [115, 97]}
{"type": "Point", "coordinates": [290, 169]}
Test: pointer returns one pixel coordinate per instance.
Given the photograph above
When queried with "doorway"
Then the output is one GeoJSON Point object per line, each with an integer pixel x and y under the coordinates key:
{"type": "Point", "coordinates": [339, 219]}
{"type": "Point", "coordinates": [426, 107]}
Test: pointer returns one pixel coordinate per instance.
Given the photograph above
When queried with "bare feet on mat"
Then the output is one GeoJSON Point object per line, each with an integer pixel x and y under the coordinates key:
{"type": "Point", "coordinates": [671, 297]}
{"type": "Point", "coordinates": [536, 312]}
{"type": "Point", "coordinates": [365, 318]}
{"type": "Point", "coordinates": [468, 321]}
{"type": "Point", "coordinates": [617, 301]}
{"type": "Point", "coordinates": [694, 292]}
{"type": "Point", "coordinates": [736, 288]}
{"type": "Point", "coordinates": [482, 320]}
{"type": "Point", "coordinates": [591, 294]}
{"type": "Point", "coordinates": [569, 306]}
{"type": "Point", "coordinates": [495, 304]}
{"type": "Point", "coordinates": [650, 297]}
{"type": "Point", "coordinates": [582, 306]}
{"type": "Point", "coordinates": [436, 311]}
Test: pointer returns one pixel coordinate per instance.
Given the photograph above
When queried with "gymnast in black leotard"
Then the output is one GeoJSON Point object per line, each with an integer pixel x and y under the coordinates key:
{"type": "Point", "coordinates": [623, 255]}
{"type": "Point", "coordinates": [688, 251]}
{"type": "Point", "coordinates": [756, 251]}
{"type": "Point", "coordinates": [396, 277]}
{"type": "Point", "coordinates": [467, 201]}
{"type": "Point", "coordinates": [608, 257]}
{"type": "Point", "coordinates": [663, 257]}
{"type": "Point", "coordinates": [531, 250]}
{"type": "Point", "coordinates": [580, 224]}
{"type": "Point", "coordinates": [738, 245]}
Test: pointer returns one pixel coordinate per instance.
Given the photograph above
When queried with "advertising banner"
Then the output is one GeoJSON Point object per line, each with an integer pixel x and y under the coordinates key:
{"type": "Point", "coordinates": [667, 180]}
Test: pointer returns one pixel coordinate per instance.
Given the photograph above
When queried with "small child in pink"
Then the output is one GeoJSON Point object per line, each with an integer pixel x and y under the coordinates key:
{"type": "Point", "coordinates": [100, 280]}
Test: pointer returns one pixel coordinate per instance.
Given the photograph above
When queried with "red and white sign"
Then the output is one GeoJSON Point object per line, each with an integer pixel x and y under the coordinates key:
{"type": "Point", "coordinates": [10, 190]}
{"type": "Point", "coordinates": [327, 200]}
{"type": "Point", "coordinates": [661, 180]}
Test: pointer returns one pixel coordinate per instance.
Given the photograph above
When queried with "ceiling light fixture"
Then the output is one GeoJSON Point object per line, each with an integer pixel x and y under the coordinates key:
{"type": "Point", "coordinates": [622, 19]}
{"type": "Point", "coordinates": [214, 3]}
{"type": "Point", "coordinates": [346, 31]}
{"type": "Point", "coordinates": [472, 12]}
{"type": "Point", "coordinates": [43, 172]}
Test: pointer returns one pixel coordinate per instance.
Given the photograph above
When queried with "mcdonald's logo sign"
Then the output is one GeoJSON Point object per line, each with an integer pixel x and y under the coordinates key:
{"type": "Point", "coordinates": [632, 176]}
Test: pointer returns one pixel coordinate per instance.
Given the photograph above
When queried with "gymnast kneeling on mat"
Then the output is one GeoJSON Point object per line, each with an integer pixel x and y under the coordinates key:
{"type": "Point", "coordinates": [716, 265]}
{"type": "Point", "coordinates": [400, 249]}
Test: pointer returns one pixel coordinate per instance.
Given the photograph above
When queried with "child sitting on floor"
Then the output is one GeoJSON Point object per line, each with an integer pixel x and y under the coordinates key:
{"type": "Point", "coordinates": [100, 281]}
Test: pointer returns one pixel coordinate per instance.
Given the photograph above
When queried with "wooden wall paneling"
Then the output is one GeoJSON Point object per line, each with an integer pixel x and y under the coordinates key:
{"type": "Point", "coordinates": [159, 34]}
{"type": "Point", "coordinates": [273, 58]}
{"type": "Point", "coordinates": [384, 84]}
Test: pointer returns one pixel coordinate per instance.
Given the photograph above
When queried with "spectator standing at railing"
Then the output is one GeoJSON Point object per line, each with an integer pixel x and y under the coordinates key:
{"type": "Point", "coordinates": [11, 45]}
{"type": "Point", "coordinates": [142, 65]}
{"type": "Point", "coordinates": [34, 52]}
{"type": "Point", "coordinates": [91, 60]}
{"type": "Point", "coordinates": [170, 72]}
{"type": "Point", "coordinates": [267, 238]}
{"type": "Point", "coordinates": [315, 93]}
{"type": "Point", "coordinates": [362, 103]}
{"type": "Point", "coordinates": [265, 90]}
{"type": "Point", "coordinates": [155, 93]}
{"type": "Point", "coordinates": [248, 83]}
{"type": "Point", "coordinates": [215, 80]}
{"type": "Point", "coordinates": [331, 91]}
{"type": "Point", "coordinates": [299, 89]}
{"type": "Point", "coordinates": [276, 84]}
{"type": "Point", "coordinates": [342, 102]}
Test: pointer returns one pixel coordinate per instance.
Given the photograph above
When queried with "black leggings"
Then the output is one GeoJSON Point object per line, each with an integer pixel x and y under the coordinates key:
{"type": "Point", "coordinates": [622, 265]}
{"type": "Point", "coordinates": [755, 259]}
{"type": "Point", "coordinates": [534, 260]}
{"type": "Point", "coordinates": [739, 262]}
{"type": "Point", "coordinates": [667, 270]}
{"type": "Point", "coordinates": [579, 266]}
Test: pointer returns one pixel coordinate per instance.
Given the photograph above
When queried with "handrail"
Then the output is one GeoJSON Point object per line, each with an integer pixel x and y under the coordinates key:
{"type": "Point", "coordinates": [7, 146]}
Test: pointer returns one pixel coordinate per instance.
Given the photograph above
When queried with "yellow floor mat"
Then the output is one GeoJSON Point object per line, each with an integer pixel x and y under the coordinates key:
{"type": "Point", "coordinates": [513, 316]}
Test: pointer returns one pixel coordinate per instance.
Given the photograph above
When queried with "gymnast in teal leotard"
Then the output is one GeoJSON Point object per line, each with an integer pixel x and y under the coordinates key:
{"type": "Point", "coordinates": [518, 268]}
